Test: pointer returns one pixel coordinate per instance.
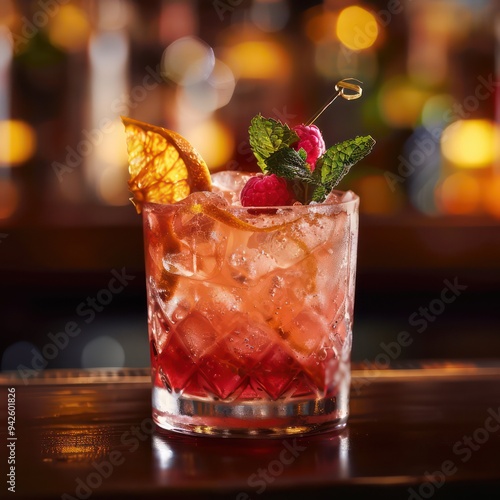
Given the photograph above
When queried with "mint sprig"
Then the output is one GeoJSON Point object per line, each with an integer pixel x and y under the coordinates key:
{"type": "Point", "coordinates": [268, 136]}
{"type": "Point", "coordinates": [336, 162]}
{"type": "Point", "coordinates": [271, 140]}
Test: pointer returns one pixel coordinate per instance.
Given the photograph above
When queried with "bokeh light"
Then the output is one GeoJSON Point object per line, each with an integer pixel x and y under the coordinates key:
{"type": "Point", "coordinates": [17, 142]}
{"type": "Point", "coordinates": [69, 29]}
{"type": "Point", "coordinates": [222, 80]}
{"type": "Point", "coordinates": [436, 109]}
{"type": "Point", "coordinates": [112, 186]}
{"type": "Point", "coordinates": [258, 60]}
{"type": "Point", "coordinates": [188, 60]}
{"type": "Point", "coordinates": [357, 28]}
{"type": "Point", "coordinates": [214, 141]}
{"type": "Point", "coordinates": [103, 352]}
{"type": "Point", "coordinates": [112, 147]}
{"type": "Point", "coordinates": [111, 154]}
{"type": "Point", "coordinates": [209, 95]}
{"type": "Point", "coordinates": [18, 353]}
{"type": "Point", "coordinates": [401, 102]}
{"type": "Point", "coordinates": [471, 143]}
{"type": "Point", "coordinates": [459, 194]}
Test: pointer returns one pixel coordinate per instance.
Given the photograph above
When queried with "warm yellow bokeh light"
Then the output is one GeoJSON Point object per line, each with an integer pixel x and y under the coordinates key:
{"type": "Point", "coordinates": [471, 143]}
{"type": "Point", "coordinates": [401, 102]}
{"type": "Point", "coordinates": [69, 29]}
{"type": "Point", "coordinates": [112, 149]}
{"type": "Point", "coordinates": [258, 60]}
{"type": "Point", "coordinates": [214, 141]}
{"type": "Point", "coordinates": [357, 28]}
{"type": "Point", "coordinates": [460, 194]}
{"type": "Point", "coordinates": [112, 152]}
{"type": "Point", "coordinates": [9, 198]}
{"type": "Point", "coordinates": [112, 186]}
{"type": "Point", "coordinates": [17, 142]}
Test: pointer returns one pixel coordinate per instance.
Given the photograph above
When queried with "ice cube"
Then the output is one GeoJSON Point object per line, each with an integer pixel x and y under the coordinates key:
{"type": "Point", "coordinates": [293, 241]}
{"type": "Point", "coordinates": [197, 334]}
{"type": "Point", "coordinates": [248, 266]}
{"type": "Point", "coordinates": [218, 303]}
{"type": "Point", "coordinates": [202, 239]}
{"type": "Point", "coordinates": [246, 340]}
{"type": "Point", "coordinates": [229, 184]}
{"type": "Point", "coordinates": [348, 196]}
{"type": "Point", "coordinates": [159, 326]}
{"type": "Point", "coordinates": [177, 307]}
{"type": "Point", "coordinates": [333, 198]}
{"type": "Point", "coordinates": [349, 200]}
{"type": "Point", "coordinates": [305, 333]}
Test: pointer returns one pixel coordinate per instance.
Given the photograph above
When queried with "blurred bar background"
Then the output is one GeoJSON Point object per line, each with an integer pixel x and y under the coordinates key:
{"type": "Point", "coordinates": [430, 191]}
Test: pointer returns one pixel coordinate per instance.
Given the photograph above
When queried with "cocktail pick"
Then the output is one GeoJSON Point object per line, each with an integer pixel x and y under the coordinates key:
{"type": "Point", "coordinates": [341, 88]}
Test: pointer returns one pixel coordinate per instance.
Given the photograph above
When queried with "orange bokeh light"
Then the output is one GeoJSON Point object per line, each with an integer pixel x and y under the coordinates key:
{"type": "Point", "coordinates": [460, 194]}
{"type": "Point", "coordinates": [357, 28]}
{"type": "Point", "coordinates": [259, 59]}
{"type": "Point", "coordinates": [17, 142]}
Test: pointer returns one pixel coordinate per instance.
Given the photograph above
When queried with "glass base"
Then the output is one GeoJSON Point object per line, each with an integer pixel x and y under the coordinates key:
{"type": "Point", "coordinates": [249, 419]}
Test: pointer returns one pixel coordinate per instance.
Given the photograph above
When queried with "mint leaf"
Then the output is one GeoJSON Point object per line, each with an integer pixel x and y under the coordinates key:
{"type": "Point", "coordinates": [289, 164]}
{"type": "Point", "coordinates": [268, 136]}
{"type": "Point", "coordinates": [319, 194]}
{"type": "Point", "coordinates": [337, 161]}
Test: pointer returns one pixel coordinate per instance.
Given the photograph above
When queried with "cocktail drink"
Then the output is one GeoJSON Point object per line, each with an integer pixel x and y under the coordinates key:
{"type": "Point", "coordinates": [250, 279]}
{"type": "Point", "coordinates": [250, 314]}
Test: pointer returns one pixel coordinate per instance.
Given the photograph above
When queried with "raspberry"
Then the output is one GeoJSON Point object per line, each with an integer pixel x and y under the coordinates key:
{"type": "Point", "coordinates": [265, 191]}
{"type": "Point", "coordinates": [311, 140]}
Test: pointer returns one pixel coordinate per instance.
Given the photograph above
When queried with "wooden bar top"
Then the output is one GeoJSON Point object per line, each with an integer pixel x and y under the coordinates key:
{"type": "Point", "coordinates": [424, 430]}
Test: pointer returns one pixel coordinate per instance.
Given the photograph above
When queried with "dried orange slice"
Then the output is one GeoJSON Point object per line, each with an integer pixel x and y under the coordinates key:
{"type": "Point", "coordinates": [164, 167]}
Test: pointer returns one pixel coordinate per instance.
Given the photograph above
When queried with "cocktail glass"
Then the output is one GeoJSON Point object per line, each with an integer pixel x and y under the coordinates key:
{"type": "Point", "coordinates": [250, 314]}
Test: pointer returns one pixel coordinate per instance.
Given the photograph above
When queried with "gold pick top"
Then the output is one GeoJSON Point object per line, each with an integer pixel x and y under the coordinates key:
{"type": "Point", "coordinates": [355, 92]}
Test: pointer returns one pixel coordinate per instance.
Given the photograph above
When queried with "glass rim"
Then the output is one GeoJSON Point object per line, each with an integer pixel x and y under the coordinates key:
{"type": "Point", "coordinates": [354, 200]}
